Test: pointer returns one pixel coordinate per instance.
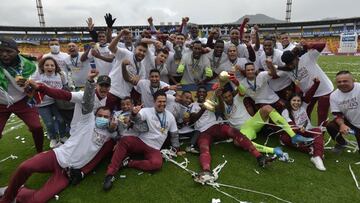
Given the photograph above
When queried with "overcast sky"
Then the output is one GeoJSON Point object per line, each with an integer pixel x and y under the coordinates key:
{"type": "Point", "coordinates": [135, 12]}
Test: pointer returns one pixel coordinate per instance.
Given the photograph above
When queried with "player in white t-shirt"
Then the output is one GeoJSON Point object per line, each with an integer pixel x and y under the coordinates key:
{"type": "Point", "coordinates": [86, 140]}
{"type": "Point", "coordinates": [271, 57]}
{"type": "Point", "coordinates": [122, 87]}
{"type": "Point", "coordinates": [257, 87]}
{"type": "Point", "coordinates": [210, 130]}
{"type": "Point", "coordinates": [78, 65]}
{"type": "Point", "coordinates": [345, 106]}
{"type": "Point", "coordinates": [161, 123]}
{"type": "Point", "coordinates": [286, 44]}
{"type": "Point", "coordinates": [126, 127]}
{"type": "Point", "coordinates": [302, 67]}
{"type": "Point", "coordinates": [148, 87]}
{"type": "Point", "coordinates": [59, 56]}
{"type": "Point", "coordinates": [158, 61]}
{"type": "Point", "coordinates": [101, 55]}
{"type": "Point", "coordinates": [296, 115]}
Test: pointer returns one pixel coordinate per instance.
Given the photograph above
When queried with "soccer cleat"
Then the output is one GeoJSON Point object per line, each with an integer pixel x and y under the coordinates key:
{"type": "Point", "coordinates": [205, 177]}
{"type": "Point", "coordinates": [75, 176]}
{"type": "Point", "coordinates": [299, 138]}
{"type": "Point", "coordinates": [264, 160]}
{"type": "Point", "coordinates": [318, 162]}
{"type": "Point", "coordinates": [2, 191]}
{"type": "Point", "coordinates": [191, 149]}
{"type": "Point", "coordinates": [278, 152]}
{"type": "Point", "coordinates": [108, 181]}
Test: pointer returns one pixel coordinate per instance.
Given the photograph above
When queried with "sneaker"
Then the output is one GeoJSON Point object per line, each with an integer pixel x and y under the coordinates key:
{"type": "Point", "coordinates": [126, 161]}
{"type": "Point", "coordinates": [205, 177]}
{"type": "Point", "coordinates": [191, 149]}
{"type": "Point", "coordinates": [318, 162]}
{"type": "Point", "coordinates": [278, 152]}
{"type": "Point", "coordinates": [338, 148]}
{"type": "Point", "coordinates": [108, 181]}
{"type": "Point", "coordinates": [63, 139]}
{"type": "Point", "coordinates": [75, 176]}
{"type": "Point", "coordinates": [264, 160]}
{"type": "Point", "coordinates": [2, 191]}
{"type": "Point", "coordinates": [53, 143]}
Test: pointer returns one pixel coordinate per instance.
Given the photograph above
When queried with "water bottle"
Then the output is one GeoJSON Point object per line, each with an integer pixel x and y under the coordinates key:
{"type": "Point", "coordinates": [92, 64]}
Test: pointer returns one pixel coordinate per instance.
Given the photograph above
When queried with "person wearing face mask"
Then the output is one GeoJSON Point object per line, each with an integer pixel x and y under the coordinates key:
{"type": "Point", "coordinates": [57, 54]}
{"type": "Point", "coordinates": [161, 123]}
{"type": "Point", "coordinates": [14, 71]}
{"type": "Point", "coordinates": [122, 87]}
{"type": "Point", "coordinates": [51, 75]}
{"type": "Point", "coordinates": [87, 139]}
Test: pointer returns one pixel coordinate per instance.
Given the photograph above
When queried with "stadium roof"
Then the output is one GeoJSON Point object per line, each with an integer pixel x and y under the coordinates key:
{"type": "Point", "coordinates": [271, 25]}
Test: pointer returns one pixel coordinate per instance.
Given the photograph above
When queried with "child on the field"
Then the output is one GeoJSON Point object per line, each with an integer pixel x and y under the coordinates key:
{"type": "Point", "coordinates": [295, 114]}
{"type": "Point", "coordinates": [50, 74]}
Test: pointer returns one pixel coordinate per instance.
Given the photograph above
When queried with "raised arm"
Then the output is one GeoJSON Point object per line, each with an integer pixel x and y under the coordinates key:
{"type": "Point", "coordinates": [109, 22]}
{"type": "Point", "coordinates": [311, 92]}
{"type": "Point", "coordinates": [89, 93]}
{"type": "Point", "coordinates": [113, 44]}
{"type": "Point", "coordinates": [91, 29]}
{"type": "Point", "coordinates": [51, 92]}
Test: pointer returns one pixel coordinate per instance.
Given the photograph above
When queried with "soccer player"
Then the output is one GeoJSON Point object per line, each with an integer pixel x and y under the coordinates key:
{"type": "Point", "coordinates": [195, 66]}
{"type": "Point", "coordinates": [14, 71]}
{"type": "Point", "coordinates": [234, 110]}
{"type": "Point", "coordinates": [87, 138]}
{"type": "Point", "coordinates": [122, 88]}
{"type": "Point", "coordinates": [258, 88]}
{"type": "Point", "coordinates": [272, 57]}
{"type": "Point", "coordinates": [148, 87]}
{"type": "Point", "coordinates": [286, 44]}
{"type": "Point", "coordinates": [161, 123]}
{"type": "Point", "coordinates": [101, 54]}
{"type": "Point", "coordinates": [302, 67]}
{"type": "Point", "coordinates": [78, 65]}
{"type": "Point", "coordinates": [345, 107]}
{"type": "Point", "coordinates": [210, 130]}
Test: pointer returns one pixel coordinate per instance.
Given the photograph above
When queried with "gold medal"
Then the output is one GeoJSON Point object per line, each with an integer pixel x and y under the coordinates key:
{"type": "Point", "coordinates": [186, 115]}
{"type": "Point", "coordinates": [297, 82]}
{"type": "Point", "coordinates": [18, 77]}
{"type": "Point", "coordinates": [162, 130]}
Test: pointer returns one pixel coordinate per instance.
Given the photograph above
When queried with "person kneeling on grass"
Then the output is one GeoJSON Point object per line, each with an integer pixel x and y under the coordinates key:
{"type": "Point", "coordinates": [295, 114]}
{"type": "Point", "coordinates": [161, 123]}
{"type": "Point", "coordinates": [86, 140]}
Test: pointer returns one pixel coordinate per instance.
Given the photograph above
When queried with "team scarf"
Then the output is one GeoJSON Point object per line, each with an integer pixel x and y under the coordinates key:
{"type": "Point", "coordinates": [24, 68]}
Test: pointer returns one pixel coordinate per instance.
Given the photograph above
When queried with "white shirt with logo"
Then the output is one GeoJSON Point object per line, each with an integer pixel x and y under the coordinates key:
{"type": "Point", "coordinates": [155, 138]}
{"type": "Point", "coordinates": [347, 103]}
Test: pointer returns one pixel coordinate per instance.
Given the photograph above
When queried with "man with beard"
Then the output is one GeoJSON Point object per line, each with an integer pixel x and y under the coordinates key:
{"type": "Point", "coordinates": [14, 72]}
{"type": "Point", "coordinates": [195, 66]}
{"type": "Point", "coordinates": [161, 123]}
{"type": "Point", "coordinates": [122, 87]}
